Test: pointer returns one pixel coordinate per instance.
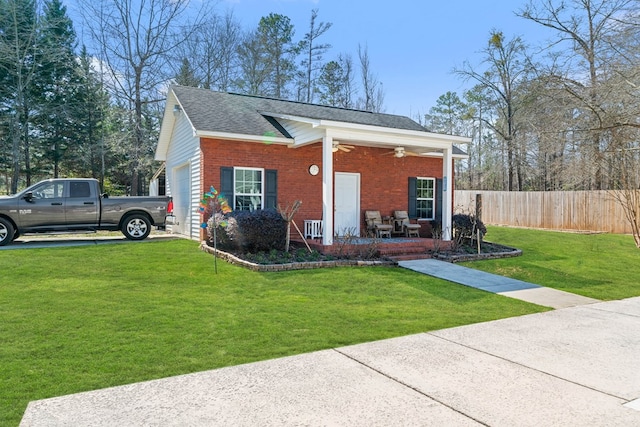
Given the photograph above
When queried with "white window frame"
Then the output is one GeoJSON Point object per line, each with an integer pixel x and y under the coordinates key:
{"type": "Point", "coordinates": [236, 193]}
{"type": "Point", "coordinates": [432, 199]}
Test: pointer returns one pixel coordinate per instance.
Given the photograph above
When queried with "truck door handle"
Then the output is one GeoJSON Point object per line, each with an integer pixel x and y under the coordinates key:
{"type": "Point", "coordinates": [56, 204]}
{"type": "Point", "coordinates": [88, 203]}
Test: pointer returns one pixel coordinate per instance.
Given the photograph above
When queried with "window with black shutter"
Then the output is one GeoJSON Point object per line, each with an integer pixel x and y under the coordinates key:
{"type": "Point", "coordinates": [425, 196]}
{"type": "Point", "coordinates": [249, 188]}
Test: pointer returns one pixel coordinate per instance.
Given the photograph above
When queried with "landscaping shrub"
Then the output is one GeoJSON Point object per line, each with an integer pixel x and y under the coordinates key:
{"type": "Point", "coordinates": [220, 222]}
{"type": "Point", "coordinates": [250, 231]}
{"type": "Point", "coordinates": [466, 226]}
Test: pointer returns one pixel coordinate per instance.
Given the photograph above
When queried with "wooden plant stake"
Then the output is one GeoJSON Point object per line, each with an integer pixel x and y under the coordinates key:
{"type": "Point", "coordinates": [288, 213]}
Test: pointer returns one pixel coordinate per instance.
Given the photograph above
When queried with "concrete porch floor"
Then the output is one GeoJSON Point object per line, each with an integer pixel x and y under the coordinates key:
{"type": "Point", "coordinates": [417, 247]}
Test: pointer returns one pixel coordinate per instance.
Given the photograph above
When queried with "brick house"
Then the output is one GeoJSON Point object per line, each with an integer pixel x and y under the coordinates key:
{"type": "Point", "coordinates": [264, 152]}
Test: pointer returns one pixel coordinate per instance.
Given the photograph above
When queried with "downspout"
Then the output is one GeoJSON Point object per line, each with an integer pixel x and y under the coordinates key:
{"type": "Point", "coordinates": [327, 190]}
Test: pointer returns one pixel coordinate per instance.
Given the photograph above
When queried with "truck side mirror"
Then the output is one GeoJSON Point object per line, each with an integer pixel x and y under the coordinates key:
{"type": "Point", "coordinates": [28, 196]}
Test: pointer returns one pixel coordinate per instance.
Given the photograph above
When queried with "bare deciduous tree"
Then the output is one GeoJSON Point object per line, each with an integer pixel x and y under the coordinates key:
{"type": "Point", "coordinates": [373, 93]}
{"type": "Point", "coordinates": [212, 52]}
{"type": "Point", "coordinates": [313, 52]}
{"type": "Point", "coordinates": [626, 184]}
{"type": "Point", "coordinates": [135, 38]}
{"type": "Point", "coordinates": [254, 67]}
{"type": "Point", "coordinates": [506, 67]}
{"type": "Point", "coordinates": [586, 25]}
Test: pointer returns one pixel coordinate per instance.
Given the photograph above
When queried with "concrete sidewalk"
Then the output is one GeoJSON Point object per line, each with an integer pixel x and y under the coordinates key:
{"type": "Point", "coordinates": [576, 366]}
{"type": "Point", "coordinates": [497, 284]}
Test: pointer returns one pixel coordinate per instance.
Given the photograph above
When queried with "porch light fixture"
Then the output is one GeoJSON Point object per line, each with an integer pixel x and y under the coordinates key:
{"type": "Point", "coordinates": [177, 110]}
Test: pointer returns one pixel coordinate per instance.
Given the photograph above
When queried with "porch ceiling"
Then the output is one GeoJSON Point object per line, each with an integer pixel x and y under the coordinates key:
{"type": "Point", "coordinates": [307, 131]}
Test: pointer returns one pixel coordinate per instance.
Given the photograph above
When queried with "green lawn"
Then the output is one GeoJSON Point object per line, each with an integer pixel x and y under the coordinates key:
{"type": "Point", "coordinates": [602, 266]}
{"type": "Point", "coordinates": [77, 319]}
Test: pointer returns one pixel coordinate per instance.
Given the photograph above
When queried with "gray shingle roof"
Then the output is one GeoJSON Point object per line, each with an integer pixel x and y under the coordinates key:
{"type": "Point", "coordinates": [240, 114]}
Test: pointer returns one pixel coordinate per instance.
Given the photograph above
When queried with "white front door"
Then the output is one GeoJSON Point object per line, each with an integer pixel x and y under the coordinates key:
{"type": "Point", "coordinates": [347, 204]}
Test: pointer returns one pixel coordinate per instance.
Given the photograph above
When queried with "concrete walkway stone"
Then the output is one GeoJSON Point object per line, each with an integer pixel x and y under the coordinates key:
{"type": "Point", "coordinates": [496, 284]}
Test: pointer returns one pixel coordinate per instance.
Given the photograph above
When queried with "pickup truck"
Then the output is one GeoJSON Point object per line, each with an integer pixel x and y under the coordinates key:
{"type": "Point", "coordinates": [75, 205]}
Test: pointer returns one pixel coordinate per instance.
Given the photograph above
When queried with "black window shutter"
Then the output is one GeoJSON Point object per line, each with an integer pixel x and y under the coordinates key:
{"type": "Point", "coordinates": [413, 194]}
{"type": "Point", "coordinates": [271, 189]}
{"type": "Point", "coordinates": [439, 185]}
{"type": "Point", "coordinates": [226, 184]}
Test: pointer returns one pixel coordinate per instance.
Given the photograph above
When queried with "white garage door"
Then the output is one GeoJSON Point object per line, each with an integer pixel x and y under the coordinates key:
{"type": "Point", "coordinates": [181, 192]}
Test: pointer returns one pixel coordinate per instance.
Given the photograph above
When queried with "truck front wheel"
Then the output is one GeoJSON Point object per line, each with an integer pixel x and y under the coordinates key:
{"type": "Point", "coordinates": [6, 232]}
{"type": "Point", "coordinates": [136, 227]}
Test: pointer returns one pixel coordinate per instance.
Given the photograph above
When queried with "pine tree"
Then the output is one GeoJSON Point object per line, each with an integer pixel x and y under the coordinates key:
{"type": "Point", "coordinates": [275, 33]}
{"type": "Point", "coordinates": [89, 114]}
{"type": "Point", "coordinates": [18, 66]}
{"type": "Point", "coordinates": [331, 84]}
{"type": "Point", "coordinates": [55, 86]}
{"type": "Point", "coordinates": [187, 75]}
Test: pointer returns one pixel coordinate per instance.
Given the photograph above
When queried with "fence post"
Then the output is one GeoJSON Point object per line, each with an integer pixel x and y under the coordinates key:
{"type": "Point", "coordinates": [479, 207]}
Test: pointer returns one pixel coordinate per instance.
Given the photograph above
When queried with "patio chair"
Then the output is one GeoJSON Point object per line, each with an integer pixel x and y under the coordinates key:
{"type": "Point", "coordinates": [375, 226]}
{"type": "Point", "coordinates": [408, 229]}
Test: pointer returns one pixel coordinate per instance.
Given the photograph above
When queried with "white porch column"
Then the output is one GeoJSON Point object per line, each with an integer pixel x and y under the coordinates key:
{"type": "Point", "coordinates": [327, 190]}
{"type": "Point", "coordinates": [447, 192]}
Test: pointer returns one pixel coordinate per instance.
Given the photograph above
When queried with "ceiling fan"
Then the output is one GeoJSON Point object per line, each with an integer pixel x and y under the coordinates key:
{"type": "Point", "coordinates": [400, 152]}
{"type": "Point", "coordinates": [342, 147]}
{"type": "Point", "coordinates": [337, 146]}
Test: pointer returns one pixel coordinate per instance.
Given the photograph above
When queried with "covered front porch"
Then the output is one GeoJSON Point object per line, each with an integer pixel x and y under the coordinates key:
{"type": "Point", "coordinates": [358, 163]}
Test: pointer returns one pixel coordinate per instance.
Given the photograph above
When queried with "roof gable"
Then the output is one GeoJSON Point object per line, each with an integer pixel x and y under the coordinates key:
{"type": "Point", "coordinates": [241, 114]}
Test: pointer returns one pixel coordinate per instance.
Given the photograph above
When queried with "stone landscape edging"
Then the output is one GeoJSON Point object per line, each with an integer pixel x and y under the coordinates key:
{"type": "Point", "coordinates": [306, 265]}
{"type": "Point", "coordinates": [453, 258]}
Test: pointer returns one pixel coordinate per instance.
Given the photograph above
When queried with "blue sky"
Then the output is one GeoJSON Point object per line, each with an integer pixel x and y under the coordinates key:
{"type": "Point", "coordinates": [413, 44]}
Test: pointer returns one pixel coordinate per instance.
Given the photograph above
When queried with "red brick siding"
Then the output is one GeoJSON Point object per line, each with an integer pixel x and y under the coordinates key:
{"type": "Point", "coordinates": [384, 178]}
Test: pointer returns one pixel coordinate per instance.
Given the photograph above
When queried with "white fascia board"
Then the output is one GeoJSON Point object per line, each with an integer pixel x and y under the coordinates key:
{"type": "Point", "coordinates": [166, 129]}
{"type": "Point", "coordinates": [395, 139]}
{"type": "Point", "coordinates": [168, 124]}
{"type": "Point", "coordinates": [441, 155]}
{"type": "Point", "coordinates": [404, 132]}
{"type": "Point", "coordinates": [242, 137]}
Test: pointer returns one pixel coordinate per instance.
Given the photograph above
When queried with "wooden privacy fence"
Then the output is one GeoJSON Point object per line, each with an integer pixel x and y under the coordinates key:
{"type": "Point", "coordinates": [555, 210]}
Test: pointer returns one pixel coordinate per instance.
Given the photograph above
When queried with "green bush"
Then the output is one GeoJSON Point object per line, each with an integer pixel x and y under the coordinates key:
{"type": "Point", "coordinates": [467, 226]}
{"type": "Point", "coordinates": [250, 231]}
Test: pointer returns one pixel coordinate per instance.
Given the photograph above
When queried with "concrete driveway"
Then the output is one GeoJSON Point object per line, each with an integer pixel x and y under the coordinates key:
{"type": "Point", "coordinates": [64, 240]}
{"type": "Point", "coordinates": [576, 366]}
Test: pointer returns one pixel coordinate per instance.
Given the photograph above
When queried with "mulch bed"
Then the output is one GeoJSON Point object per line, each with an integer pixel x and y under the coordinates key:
{"type": "Point", "coordinates": [270, 262]}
